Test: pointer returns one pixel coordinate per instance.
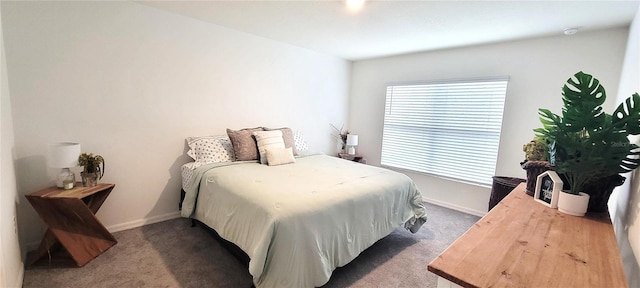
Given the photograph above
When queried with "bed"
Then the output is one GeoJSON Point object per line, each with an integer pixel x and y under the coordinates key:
{"type": "Point", "coordinates": [300, 221]}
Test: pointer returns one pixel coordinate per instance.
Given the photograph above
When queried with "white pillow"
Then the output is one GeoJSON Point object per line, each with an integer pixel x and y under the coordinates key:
{"type": "Point", "coordinates": [268, 140]}
{"type": "Point", "coordinates": [280, 156]}
{"type": "Point", "coordinates": [298, 139]}
{"type": "Point", "coordinates": [210, 149]}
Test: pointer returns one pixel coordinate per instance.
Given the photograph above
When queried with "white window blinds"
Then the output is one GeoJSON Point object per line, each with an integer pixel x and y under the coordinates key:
{"type": "Point", "coordinates": [446, 128]}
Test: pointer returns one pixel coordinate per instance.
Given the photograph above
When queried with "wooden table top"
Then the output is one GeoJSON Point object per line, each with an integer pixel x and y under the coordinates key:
{"type": "Point", "coordinates": [78, 191]}
{"type": "Point", "coordinates": [522, 243]}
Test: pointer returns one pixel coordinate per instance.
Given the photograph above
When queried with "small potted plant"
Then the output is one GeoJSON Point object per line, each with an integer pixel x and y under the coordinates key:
{"type": "Point", "coordinates": [92, 171]}
{"type": "Point", "coordinates": [535, 162]}
{"type": "Point", "coordinates": [587, 145]}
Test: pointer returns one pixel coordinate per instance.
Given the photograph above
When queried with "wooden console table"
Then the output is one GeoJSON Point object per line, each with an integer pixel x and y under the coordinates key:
{"type": "Point", "coordinates": [521, 243]}
{"type": "Point", "coordinates": [75, 236]}
{"type": "Point", "coordinates": [353, 157]}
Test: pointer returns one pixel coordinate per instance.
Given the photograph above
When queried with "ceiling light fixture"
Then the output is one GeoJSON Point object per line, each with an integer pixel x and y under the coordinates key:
{"type": "Point", "coordinates": [570, 31]}
{"type": "Point", "coordinates": [354, 5]}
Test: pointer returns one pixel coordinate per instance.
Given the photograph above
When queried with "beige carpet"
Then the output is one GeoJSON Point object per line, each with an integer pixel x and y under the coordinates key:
{"type": "Point", "coordinates": [172, 254]}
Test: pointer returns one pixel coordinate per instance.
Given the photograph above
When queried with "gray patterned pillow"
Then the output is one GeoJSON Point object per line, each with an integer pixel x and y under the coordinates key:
{"type": "Point", "coordinates": [287, 136]}
{"type": "Point", "coordinates": [244, 145]}
{"type": "Point", "coordinates": [210, 149]}
{"type": "Point", "coordinates": [300, 144]}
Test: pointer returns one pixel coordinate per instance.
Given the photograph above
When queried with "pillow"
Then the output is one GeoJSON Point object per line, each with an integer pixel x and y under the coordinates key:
{"type": "Point", "coordinates": [300, 144]}
{"type": "Point", "coordinates": [280, 156]}
{"type": "Point", "coordinates": [287, 136]}
{"type": "Point", "coordinates": [244, 146]}
{"type": "Point", "coordinates": [268, 140]}
{"type": "Point", "coordinates": [210, 149]}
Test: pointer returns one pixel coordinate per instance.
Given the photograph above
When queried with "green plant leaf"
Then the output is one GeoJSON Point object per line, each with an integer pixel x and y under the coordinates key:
{"type": "Point", "coordinates": [627, 116]}
{"type": "Point", "coordinates": [582, 100]}
{"type": "Point", "coordinates": [550, 122]}
{"type": "Point", "coordinates": [631, 161]}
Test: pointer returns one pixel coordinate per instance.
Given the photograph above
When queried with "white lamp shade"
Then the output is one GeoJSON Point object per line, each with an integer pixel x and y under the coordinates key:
{"type": "Point", "coordinates": [352, 140]}
{"type": "Point", "coordinates": [63, 155]}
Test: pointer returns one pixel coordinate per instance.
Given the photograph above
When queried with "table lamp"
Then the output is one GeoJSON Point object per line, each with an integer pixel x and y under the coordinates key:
{"type": "Point", "coordinates": [64, 155]}
{"type": "Point", "coordinates": [352, 141]}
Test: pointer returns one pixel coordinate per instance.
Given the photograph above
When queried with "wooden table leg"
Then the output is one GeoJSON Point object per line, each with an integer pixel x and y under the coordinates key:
{"type": "Point", "coordinates": [94, 202]}
{"type": "Point", "coordinates": [72, 223]}
{"type": "Point", "coordinates": [48, 242]}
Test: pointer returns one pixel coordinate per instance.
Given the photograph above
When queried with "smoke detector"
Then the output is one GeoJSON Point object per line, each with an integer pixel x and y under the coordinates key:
{"type": "Point", "coordinates": [570, 31]}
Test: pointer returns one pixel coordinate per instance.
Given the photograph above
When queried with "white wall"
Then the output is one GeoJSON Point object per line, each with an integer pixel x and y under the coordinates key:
{"type": "Point", "coordinates": [537, 68]}
{"type": "Point", "coordinates": [130, 82]}
{"type": "Point", "coordinates": [11, 266]}
{"type": "Point", "coordinates": [624, 204]}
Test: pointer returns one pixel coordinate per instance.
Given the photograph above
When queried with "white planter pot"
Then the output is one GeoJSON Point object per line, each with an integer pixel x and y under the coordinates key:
{"type": "Point", "coordinates": [573, 204]}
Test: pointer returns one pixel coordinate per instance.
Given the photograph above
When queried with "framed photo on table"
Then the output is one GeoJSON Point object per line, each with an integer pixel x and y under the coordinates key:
{"type": "Point", "coordinates": [548, 188]}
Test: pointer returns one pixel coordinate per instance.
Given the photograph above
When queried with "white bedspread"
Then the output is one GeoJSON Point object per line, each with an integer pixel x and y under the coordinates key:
{"type": "Point", "coordinates": [300, 221]}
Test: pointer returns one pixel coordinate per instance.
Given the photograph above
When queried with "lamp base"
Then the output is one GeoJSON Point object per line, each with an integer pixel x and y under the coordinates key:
{"type": "Point", "coordinates": [66, 179]}
{"type": "Point", "coordinates": [351, 150]}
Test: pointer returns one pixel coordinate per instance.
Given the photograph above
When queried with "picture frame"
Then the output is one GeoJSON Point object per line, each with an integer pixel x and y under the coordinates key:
{"type": "Point", "coordinates": [548, 188]}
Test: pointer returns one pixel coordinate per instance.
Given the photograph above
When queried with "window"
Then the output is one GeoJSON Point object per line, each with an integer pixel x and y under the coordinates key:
{"type": "Point", "coordinates": [449, 129]}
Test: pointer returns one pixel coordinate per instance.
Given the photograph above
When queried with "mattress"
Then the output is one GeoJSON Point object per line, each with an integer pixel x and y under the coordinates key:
{"type": "Point", "coordinates": [298, 222]}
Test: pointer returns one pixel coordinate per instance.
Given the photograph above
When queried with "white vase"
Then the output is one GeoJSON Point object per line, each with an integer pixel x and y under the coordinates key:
{"type": "Point", "coordinates": [572, 204]}
{"type": "Point", "coordinates": [339, 144]}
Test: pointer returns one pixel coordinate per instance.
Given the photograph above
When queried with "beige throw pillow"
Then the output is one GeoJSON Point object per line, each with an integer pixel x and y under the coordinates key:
{"type": "Point", "coordinates": [268, 140]}
{"type": "Point", "coordinates": [244, 146]}
{"type": "Point", "coordinates": [280, 156]}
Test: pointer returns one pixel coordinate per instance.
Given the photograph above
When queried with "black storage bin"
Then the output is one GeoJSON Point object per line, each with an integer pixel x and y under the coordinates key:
{"type": "Point", "coordinates": [501, 187]}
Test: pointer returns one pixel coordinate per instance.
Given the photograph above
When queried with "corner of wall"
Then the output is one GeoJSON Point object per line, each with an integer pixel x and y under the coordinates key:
{"type": "Point", "coordinates": [624, 204]}
{"type": "Point", "coordinates": [11, 263]}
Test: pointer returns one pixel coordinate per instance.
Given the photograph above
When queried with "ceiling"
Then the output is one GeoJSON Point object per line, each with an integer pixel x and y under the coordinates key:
{"type": "Point", "coordinates": [383, 28]}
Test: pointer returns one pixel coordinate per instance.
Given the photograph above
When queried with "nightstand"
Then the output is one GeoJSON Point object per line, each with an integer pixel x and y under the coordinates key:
{"type": "Point", "coordinates": [74, 235]}
{"type": "Point", "coordinates": [353, 157]}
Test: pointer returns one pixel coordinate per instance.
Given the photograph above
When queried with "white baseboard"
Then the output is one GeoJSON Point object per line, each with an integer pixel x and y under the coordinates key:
{"type": "Point", "coordinates": [142, 222]}
{"type": "Point", "coordinates": [455, 207]}
{"type": "Point", "coordinates": [124, 226]}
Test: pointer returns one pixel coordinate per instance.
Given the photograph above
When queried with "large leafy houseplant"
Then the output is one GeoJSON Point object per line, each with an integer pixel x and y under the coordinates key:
{"type": "Point", "coordinates": [585, 143]}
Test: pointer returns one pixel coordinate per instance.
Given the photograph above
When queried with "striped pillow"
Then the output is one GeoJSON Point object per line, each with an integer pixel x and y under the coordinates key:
{"type": "Point", "coordinates": [287, 136]}
{"type": "Point", "coordinates": [268, 140]}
